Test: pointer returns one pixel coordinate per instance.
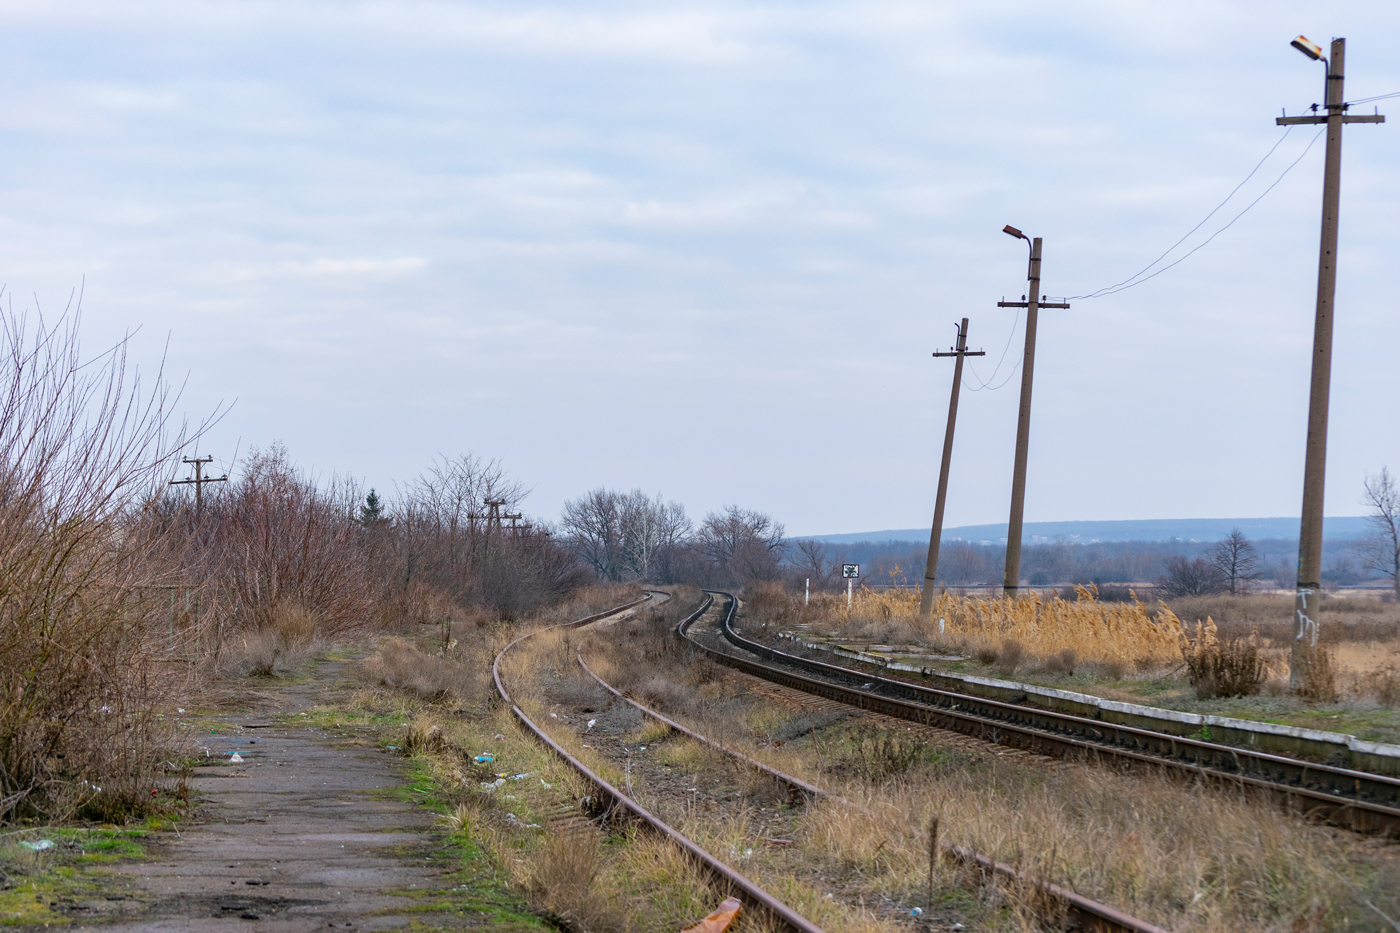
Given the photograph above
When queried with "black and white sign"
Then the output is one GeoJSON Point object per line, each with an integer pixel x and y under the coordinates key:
{"type": "Point", "coordinates": [850, 571]}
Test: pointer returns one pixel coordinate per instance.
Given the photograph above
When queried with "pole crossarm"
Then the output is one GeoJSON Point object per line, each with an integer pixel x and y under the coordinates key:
{"type": "Point", "coordinates": [962, 353]}
{"type": "Point", "coordinates": [1349, 118]}
{"type": "Point", "coordinates": [1027, 304]}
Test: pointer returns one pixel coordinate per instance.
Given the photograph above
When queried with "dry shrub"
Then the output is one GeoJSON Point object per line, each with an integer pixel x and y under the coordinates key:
{"type": "Point", "coordinates": [876, 758]}
{"type": "Point", "coordinates": [1319, 680]}
{"type": "Point", "coordinates": [1062, 663]}
{"type": "Point", "coordinates": [400, 665]}
{"type": "Point", "coordinates": [767, 602]}
{"type": "Point", "coordinates": [85, 636]}
{"type": "Point", "coordinates": [1234, 667]}
{"type": "Point", "coordinates": [1382, 685]}
{"type": "Point", "coordinates": [278, 539]}
{"type": "Point", "coordinates": [563, 883]}
{"type": "Point", "coordinates": [1010, 656]}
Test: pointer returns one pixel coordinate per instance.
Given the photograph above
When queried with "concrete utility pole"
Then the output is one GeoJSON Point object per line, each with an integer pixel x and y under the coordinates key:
{"type": "Point", "coordinates": [936, 536]}
{"type": "Point", "coordinates": [1011, 579]}
{"type": "Point", "coordinates": [199, 480]}
{"type": "Point", "coordinates": [1315, 464]}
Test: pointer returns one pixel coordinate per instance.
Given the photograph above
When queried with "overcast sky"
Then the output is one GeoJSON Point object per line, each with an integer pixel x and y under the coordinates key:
{"type": "Point", "coordinates": [706, 248]}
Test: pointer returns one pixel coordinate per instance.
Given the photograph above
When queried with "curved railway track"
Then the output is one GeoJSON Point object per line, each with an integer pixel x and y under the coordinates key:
{"type": "Point", "coordinates": [1357, 800]}
{"type": "Point", "coordinates": [753, 896]}
{"type": "Point", "coordinates": [1086, 914]}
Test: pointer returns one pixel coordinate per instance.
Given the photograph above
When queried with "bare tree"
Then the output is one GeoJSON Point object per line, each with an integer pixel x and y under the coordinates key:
{"type": "Point", "coordinates": [648, 527]}
{"type": "Point", "coordinates": [742, 545]}
{"type": "Point", "coordinates": [814, 560]}
{"type": "Point", "coordinates": [1380, 549]}
{"type": "Point", "coordinates": [1235, 559]}
{"type": "Point", "coordinates": [1184, 577]}
{"type": "Point", "coordinates": [594, 525]}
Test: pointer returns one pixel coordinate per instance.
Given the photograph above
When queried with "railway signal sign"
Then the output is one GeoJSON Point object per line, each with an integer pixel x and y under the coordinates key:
{"type": "Point", "coordinates": [850, 572]}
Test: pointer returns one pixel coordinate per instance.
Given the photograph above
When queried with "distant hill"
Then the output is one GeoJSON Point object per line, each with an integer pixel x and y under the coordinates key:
{"type": "Point", "coordinates": [1163, 529]}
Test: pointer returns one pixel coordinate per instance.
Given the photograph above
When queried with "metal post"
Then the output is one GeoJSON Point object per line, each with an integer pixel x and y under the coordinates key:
{"type": "Point", "coordinates": [850, 587]}
{"type": "Point", "coordinates": [936, 535]}
{"type": "Point", "coordinates": [1012, 576]}
{"type": "Point", "coordinates": [807, 593]}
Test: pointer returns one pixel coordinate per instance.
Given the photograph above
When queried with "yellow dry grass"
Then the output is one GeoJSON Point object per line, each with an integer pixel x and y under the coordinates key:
{"type": "Point", "coordinates": [1121, 633]}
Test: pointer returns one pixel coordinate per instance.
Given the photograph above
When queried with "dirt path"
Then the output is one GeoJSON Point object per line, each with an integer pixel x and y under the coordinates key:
{"type": "Point", "coordinates": [307, 833]}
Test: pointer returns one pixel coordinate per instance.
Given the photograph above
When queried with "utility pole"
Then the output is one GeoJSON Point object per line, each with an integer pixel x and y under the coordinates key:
{"type": "Point", "coordinates": [198, 481]}
{"type": "Point", "coordinates": [935, 537]}
{"type": "Point", "coordinates": [1011, 578]}
{"type": "Point", "coordinates": [1315, 464]}
{"type": "Point", "coordinates": [493, 518]}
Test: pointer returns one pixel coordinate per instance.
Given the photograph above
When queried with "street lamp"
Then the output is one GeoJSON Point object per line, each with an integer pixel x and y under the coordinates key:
{"type": "Point", "coordinates": [1308, 47]}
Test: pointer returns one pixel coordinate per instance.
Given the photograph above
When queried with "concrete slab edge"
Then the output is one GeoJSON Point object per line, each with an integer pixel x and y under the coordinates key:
{"type": "Point", "coordinates": [1380, 757]}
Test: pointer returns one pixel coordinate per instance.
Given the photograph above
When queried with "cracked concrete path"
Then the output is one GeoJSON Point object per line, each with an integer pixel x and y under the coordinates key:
{"type": "Point", "coordinates": [303, 835]}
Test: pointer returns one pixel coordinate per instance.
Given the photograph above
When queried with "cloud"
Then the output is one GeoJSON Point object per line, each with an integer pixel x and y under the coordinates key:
{"type": "Point", "coordinates": [402, 265]}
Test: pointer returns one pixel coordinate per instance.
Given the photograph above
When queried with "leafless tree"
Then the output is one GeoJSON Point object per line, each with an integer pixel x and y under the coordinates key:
{"type": "Point", "coordinates": [593, 523]}
{"type": "Point", "coordinates": [1235, 559]}
{"type": "Point", "coordinates": [1380, 548]}
{"type": "Point", "coordinates": [623, 535]}
{"type": "Point", "coordinates": [742, 545]}
{"type": "Point", "coordinates": [815, 561]}
{"type": "Point", "coordinates": [1185, 577]}
{"type": "Point", "coordinates": [648, 527]}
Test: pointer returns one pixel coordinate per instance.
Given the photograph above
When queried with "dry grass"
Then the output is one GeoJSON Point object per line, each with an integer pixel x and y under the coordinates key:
{"type": "Point", "coordinates": [401, 665]}
{"type": "Point", "coordinates": [1191, 858]}
{"type": "Point", "coordinates": [1121, 633]}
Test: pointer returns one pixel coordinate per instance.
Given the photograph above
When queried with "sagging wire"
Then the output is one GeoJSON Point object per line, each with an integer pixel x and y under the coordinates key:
{"type": "Point", "coordinates": [1139, 278]}
{"type": "Point", "coordinates": [986, 383]}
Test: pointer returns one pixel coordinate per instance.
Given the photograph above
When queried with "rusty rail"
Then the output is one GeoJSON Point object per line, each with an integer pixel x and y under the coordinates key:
{"type": "Point", "coordinates": [749, 892]}
{"type": "Point", "coordinates": [1357, 800]}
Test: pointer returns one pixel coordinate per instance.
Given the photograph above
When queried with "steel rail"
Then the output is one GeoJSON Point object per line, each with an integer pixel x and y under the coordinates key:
{"type": "Point", "coordinates": [1087, 914]}
{"type": "Point", "coordinates": [1357, 800]}
{"type": "Point", "coordinates": [749, 892]}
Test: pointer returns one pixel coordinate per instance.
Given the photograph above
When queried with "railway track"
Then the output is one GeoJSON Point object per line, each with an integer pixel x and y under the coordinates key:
{"type": "Point", "coordinates": [1357, 800]}
{"type": "Point", "coordinates": [726, 878]}
{"type": "Point", "coordinates": [1083, 912]}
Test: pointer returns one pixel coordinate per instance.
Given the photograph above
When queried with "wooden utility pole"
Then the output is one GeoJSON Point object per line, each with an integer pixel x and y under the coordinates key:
{"type": "Point", "coordinates": [198, 481]}
{"type": "Point", "coordinates": [1315, 463]}
{"type": "Point", "coordinates": [493, 518]}
{"type": "Point", "coordinates": [1011, 579]}
{"type": "Point", "coordinates": [935, 537]}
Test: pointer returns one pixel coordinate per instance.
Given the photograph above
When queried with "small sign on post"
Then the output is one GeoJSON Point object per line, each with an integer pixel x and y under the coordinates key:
{"type": "Point", "coordinates": [850, 572]}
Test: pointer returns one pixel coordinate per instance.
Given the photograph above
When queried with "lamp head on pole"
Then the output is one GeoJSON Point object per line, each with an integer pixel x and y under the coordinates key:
{"type": "Point", "coordinates": [1012, 231]}
{"type": "Point", "coordinates": [1308, 47]}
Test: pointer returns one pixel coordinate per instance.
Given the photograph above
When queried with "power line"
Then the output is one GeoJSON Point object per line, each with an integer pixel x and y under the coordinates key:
{"type": "Point", "coordinates": [986, 383]}
{"type": "Point", "coordinates": [1367, 100]}
{"type": "Point", "coordinates": [1198, 226]}
{"type": "Point", "coordinates": [1140, 278]}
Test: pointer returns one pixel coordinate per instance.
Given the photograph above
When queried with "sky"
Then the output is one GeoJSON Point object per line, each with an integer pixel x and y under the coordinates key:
{"type": "Point", "coordinates": [706, 249]}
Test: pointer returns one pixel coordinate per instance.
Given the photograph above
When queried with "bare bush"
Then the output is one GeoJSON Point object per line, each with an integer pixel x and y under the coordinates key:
{"type": "Point", "coordinates": [400, 665]}
{"type": "Point", "coordinates": [81, 439]}
{"type": "Point", "coordinates": [1231, 668]}
{"type": "Point", "coordinates": [1186, 577]}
